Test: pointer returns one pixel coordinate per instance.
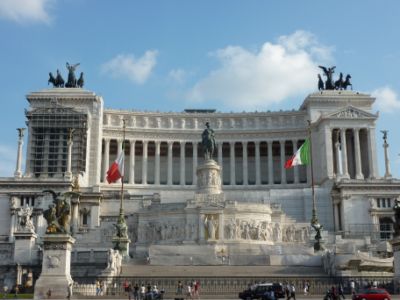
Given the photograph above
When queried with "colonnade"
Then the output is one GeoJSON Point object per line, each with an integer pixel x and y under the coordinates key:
{"type": "Point", "coordinates": [349, 160]}
{"type": "Point", "coordinates": [264, 165]}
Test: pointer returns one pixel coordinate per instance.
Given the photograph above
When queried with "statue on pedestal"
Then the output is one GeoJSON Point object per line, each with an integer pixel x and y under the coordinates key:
{"type": "Point", "coordinates": [208, 142]}
{"type": "Point", "coordinates": [25, 219]}
{"type": "Point", "coordinates": [211, 226]}
{"type": "Point", "coordinates": [58, 215]}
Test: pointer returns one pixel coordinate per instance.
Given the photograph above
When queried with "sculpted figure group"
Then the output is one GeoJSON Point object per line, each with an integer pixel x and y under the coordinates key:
{"type": "Point", "coordinates": [330, 84]}
{"type": "Point", "coordinates": [58, 214]}
{"type": "Point", "coordinates": [58, 80]}
{"type": "Point", "coordinates": [114, 261]}
{"type": "Point", "coordinates": [25, 219]}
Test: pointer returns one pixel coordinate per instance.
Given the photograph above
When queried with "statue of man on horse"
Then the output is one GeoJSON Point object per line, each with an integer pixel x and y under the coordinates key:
{"type": "Point", "coordinates": [208, 142]}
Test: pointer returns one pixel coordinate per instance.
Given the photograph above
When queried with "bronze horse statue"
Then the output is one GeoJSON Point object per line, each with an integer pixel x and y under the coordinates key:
{"type": "Point", "coordinates": [57, 81]}
{"type": "Point", "coordinates": [347, 82]}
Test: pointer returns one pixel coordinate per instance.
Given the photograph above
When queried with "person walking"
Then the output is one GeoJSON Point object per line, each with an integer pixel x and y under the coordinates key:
{"type": "Point", "coordinates": [292, 292]}
{"type": "Point", "coordinates": [136, 292]}
{"type": "Point", "coordinates": [142, 291]}
{"type": "Point", "coordinates": [341, 291]}
{"type": "Point", "coordinates": [179, 291]}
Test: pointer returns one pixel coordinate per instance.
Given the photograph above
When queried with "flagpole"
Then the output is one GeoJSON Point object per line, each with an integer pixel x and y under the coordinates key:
{"type": "Point", "coordinates": [314, 219]}
{"type": "Point", "coordinates": [121, 205]}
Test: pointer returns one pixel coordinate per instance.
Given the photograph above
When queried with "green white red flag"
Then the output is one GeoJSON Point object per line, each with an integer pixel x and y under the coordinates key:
{"type": "Point", "coordinates": [116, 170]}
{"type": "Point", "coordinates": [301, 157]}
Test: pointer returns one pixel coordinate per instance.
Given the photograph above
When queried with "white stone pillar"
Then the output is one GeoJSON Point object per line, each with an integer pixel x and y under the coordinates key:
{"type": "Point", "coordinates": [220, 159]}
{"type": "Point", "coordinates": [157, 163]}
{"type": "Point", "coordinates": [373, 166]}
{"type": "Point", "coordinates": [182, 163]}
{"type": "Point", "coordinates": [119, 150]}
{"type": "Point", "coordinates": [328, 151]}
{"type": "Point", "coordinates": [75, 215]}
{"type": "Point", "coordinates": [258, 162]}
{"type": "Point", "coordinates": [337, 212]}
{"type": "Point", "coordinates": [12, 225]}
{"type": "Point", "coordinates": [68, 173]}
{"type": "Point", "coordinates": [144, 163]}
{"type": "Point", "coordinates": [270, 163]}
{"type": "Point", "coordinates": [296, 169]}
{"type": "Point", "coordinates": [283, 160]}
{"type": "Point", "coordinates": [195, 155]}
{"type": "Point", "coordinates": [132, 162]}
{"type": "Point", "coordinates": [106, 158]}
{"type": "Point", "coordinates": [356, 132]}
{"type": "Point", "coordinates": [245, 164]}
{"type": "Point", "coordinates": [169, 179]}
{"type": "Point", "coordinates": [232, 157]}
{"type": "Point", "coordinates": [344, 153]}
{"type": "Point", "coordinates": [387, 164]}
{"type": "Point", "coordinates": [339, 171]}
{"type": "Point", "coordinates": [18, 171]}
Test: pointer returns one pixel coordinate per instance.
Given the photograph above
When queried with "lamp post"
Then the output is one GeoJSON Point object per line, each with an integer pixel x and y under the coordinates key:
{"type": "Point", "coordinates": [314, 219]}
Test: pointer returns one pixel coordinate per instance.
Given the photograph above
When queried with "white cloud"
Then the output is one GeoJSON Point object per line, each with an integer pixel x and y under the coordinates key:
{"type": "Point", "coordinates": [8, 158]}
{"type": "Point", "coordinates": [177, 75]}
{"type": "Point", "coordinates": [25, 10]}
{"type": "Point", "coordinates": [135, 69]}
{"type": "Point", "coordinates": [254, 80]}
{"type": "Point", "coordinates": [387, 99]}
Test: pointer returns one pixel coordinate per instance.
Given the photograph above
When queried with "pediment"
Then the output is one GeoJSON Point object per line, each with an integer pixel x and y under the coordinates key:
{"type": "Point", "coordinates": [350, 112]}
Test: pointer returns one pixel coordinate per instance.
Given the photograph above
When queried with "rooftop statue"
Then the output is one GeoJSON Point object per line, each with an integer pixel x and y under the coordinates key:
{"type": "Point", "coordinates": [72, 82]}
{"type": "Point", "coordinates": [328, 72]}
{"type": "Point", "coordinates": [57, 81]}
{"type": "Point", "coordinates": [208, 142]}
{"type": "Point", "coordinates": [339, 84]}
{"type": "Point", "coordinates": [58, 215]}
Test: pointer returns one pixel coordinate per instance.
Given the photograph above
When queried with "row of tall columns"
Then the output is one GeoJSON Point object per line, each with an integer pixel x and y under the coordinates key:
{"type": "Point", "coordinates": [182, 172]}
{"type": "Point", "coordinates": [341, 155]}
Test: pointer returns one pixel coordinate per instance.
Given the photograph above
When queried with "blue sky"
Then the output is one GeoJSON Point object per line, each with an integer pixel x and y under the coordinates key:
{"type": "Point", "coordinates": [171, 55]}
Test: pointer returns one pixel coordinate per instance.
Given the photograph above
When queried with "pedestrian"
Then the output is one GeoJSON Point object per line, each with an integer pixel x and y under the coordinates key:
{"type": "Point", "coordinates": [292, 292]}
{"type": "Point", "coordinates": [179, 291]}
{"type": "Point", "coordinates": [352, 287]}
{"type": "Point", "coordinates": [126, 286]}
{"type": "Point", "coordinates": [306, 288]}
{"type": "Point", "coordinates": [287, 290]}
{"type": "Point", "coordinates": [5, 289]}
{"type": "Point", "coordinates": [129, 291]}
{"type": "Point", "coordinates": [48, 294]}
{"type": "Point", "coordinates": [69, 291]}
{"type": "Point", "coordinates": [97, 288]}
{"type": "Point", "coordinates": [189, 291]}
{"type": "Point", "coordinates": [136, 291]}
{"type": "Point", "coordinates": [341, 291]}
{"type": "Point", "coordinates": [197, 289]}
{"type": "Point", "coordinates": [142, 291]}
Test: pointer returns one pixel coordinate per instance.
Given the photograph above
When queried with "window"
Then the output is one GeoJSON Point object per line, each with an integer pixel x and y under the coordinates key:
{"type": "Point", "coordinates": [385, 228]}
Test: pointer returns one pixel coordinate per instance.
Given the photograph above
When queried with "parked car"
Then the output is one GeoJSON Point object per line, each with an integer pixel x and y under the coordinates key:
{"type": "Point", "coordinates": [259, 291]}
{"type": "Point", "coordinates": [372, 294]}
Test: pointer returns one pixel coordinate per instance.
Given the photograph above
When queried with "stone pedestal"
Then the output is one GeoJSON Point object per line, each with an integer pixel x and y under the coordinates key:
{"type": "Point", "coordinates": [24, 247]}
{"type": "Point", "coordinates": [209, 178]}
{"type": "Point", "coordinates": [56, 267]}
{"type": "Point", "coordinates": [122, 244]}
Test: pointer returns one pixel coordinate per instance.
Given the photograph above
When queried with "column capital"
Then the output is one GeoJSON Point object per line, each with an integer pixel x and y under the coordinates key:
{"type": "Point", "coordinates": [245, 142]}
{"type": "Point", "coordinates": [170, 143]}
{"type": "Point", "coordinates": [257, 143]}
{"type": "Point", "coordinates": [145, 142]}
{"type": "Point", "coordinates": [282, 142]}
{"type": "Point", "coordinates": [132, 142]}
{"type": "Point", "coordinates": [157, 142]}
{"type": "Point", "coordinates": [357, 129]}
{"type": "Point", "coordinates": [232, 143]}
{"type": "Point", "coordinates": [106, 139]}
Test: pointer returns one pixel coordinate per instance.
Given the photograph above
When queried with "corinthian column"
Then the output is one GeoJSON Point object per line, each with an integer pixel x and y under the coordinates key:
{"type": "Point", "coordinates": [18, 172]}
{"type": "Point", "coordinates": [295, 170]}
{"type": "Point", "coordinates": [195, 155]}
{"type": "Point", "coordinates": [245, 164]}
{"type": "Point", "coordinates": [106, 157]}
{"type": "Point", "coordinates": [258, 163]}
{"type": "Point", "coordinates": [283, 171]}
{"type": "Point", "coordinates": [344, 152]}
{"type": "Point", "coordinates": [68, 173]}
{"type": "Point", "coordinates": [132, 162]}
{"type": "Point", "coordinates": [359, 174]}
{"type": "Point", "coordinates": [182, 163]}
{"type": "Point", "coordinates": [119, 150]}
{"type": "Point", "coordinates": [232, 156]}
{"type": "Point", "coordinates": [169, 179]}
{"type": "Point", "coordinates": [144, 166]}
{"type": "Point", "coordinates": [157, 163]}
{"type": "Point", "coordinates": [270, 164]}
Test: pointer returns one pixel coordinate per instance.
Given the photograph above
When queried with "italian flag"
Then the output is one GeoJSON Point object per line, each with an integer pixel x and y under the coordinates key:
{"type": "Point", "coordinates": [116, 170]}
{"type": "Point", "coordinates": [301, 157]}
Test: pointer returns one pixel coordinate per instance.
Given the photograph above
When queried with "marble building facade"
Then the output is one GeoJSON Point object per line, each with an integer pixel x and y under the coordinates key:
{"type": "Point", "coordinates": [162, 156]}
